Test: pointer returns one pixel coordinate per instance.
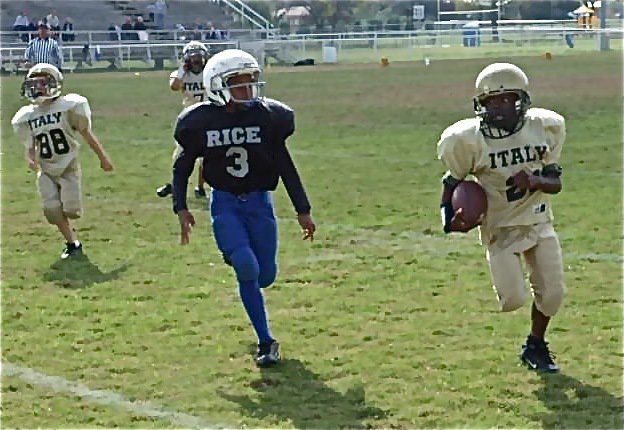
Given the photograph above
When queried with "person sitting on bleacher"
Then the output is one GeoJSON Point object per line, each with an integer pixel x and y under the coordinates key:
{"type": "Point", "coordinates": [126, 28]}
{"type": "Point", "coordinates": [68, 34]}
{"type": "Point", "coordinates": [21, 22]}
{"type": "Point", "coordinates": [53, 21]}
{"type": "Point", "coordinates": [114, 32]}
{"type": "Point", "coordinates": [139, 25]}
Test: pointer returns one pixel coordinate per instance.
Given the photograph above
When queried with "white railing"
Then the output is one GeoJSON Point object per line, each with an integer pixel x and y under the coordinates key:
{"type": "Point", "coordinates": [250, 15]}
{"type": "Point", "coordinates": [117, 54]}
{"type": "Point", "coordinates": [350, 47]}
{"type": "Point", "coordinates": [429, 33]}
{"type": "Point", "coordinates": [92, 36]}
{"type": "Point", "coordinates": [263, 31]}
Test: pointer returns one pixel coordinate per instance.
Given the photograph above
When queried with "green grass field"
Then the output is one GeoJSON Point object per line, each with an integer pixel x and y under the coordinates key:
{"type": "Point", "coordinates": [384, 321]}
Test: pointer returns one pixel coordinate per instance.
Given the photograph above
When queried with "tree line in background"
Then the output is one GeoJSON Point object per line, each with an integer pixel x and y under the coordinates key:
{"type": "Point", "coordinates": [363, 15]}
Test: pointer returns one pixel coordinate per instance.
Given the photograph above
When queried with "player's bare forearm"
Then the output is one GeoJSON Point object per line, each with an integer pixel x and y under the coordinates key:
{"type": "Point", "coordinates": [94, 143]}
{"type": "Point", "coordinates": [105, 162]}
{"type": "Point", "coordinates": [547, 184]}
{"type": "Point", "coordinates": [31, 157]}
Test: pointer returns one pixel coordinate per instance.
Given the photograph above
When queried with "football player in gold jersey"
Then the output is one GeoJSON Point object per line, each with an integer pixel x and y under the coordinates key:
{"type": "Point", "coordinates": [513, 150]}
{"type": "Point", "coordinates": [49, 128]}
{"type": "Point", "coordinates": [189, 80]}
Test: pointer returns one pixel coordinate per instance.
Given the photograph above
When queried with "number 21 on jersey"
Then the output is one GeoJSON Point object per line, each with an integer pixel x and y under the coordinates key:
{"type": "Point", "coordinates": [514, 193]}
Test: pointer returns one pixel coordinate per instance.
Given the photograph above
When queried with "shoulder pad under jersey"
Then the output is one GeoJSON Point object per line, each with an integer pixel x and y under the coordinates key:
{"type": "Point", "coordinates": [465, 132]}
{"type": "Point", "coordinates": [75, 99]}
{"type": "Point", "coordinates": [460, 146]}
{"type": "Point", "coordinates": [549, 118]}
{"type": "Point", "coordinates": [282, 114]}
{"type": "Point", "coordinates": [22, 115]}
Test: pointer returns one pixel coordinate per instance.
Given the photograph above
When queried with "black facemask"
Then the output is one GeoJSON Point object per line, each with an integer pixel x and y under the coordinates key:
{"type": "Point", "coordinates": [504, 119]}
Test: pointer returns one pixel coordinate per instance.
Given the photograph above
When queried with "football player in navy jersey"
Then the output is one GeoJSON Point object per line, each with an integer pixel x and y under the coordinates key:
{"type": "Point", "coordinates": [242, 139]}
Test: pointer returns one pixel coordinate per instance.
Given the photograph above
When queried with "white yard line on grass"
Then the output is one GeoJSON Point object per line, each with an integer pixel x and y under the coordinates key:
{"type": "Point", "coordinates": [105, 397]}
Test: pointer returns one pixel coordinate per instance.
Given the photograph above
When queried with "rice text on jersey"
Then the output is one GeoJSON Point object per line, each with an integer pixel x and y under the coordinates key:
{"type": "Point", "coordinates": [233, 136]}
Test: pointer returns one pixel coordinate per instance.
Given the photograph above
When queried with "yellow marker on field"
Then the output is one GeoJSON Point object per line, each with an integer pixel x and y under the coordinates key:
{"type": "Point", "coordinates": [548, 55]}
{"type": "Point", "coordinates": [385, 62]}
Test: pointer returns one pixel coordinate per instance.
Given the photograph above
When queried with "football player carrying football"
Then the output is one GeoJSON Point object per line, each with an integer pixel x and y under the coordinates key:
{"type": "Point", "coordinates": [49, 128]}
{"type": "Point", "coordinates": [189, 80]}
{"type": "Point", "coordinates": [242, 139]}
{"type": "Point", "coordinates": [513, 150]}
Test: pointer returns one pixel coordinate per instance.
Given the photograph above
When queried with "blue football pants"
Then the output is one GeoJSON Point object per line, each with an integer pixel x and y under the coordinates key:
{"type": "Point", "coordinates": [245, 229]}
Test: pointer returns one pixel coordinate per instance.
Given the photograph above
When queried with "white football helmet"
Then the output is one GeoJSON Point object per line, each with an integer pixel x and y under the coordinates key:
{"type": "Point", "coordinates": [195, 54]}
{"type": "Point", "coordinates": [225, 65]}
{"type": "Point", "coordinates": [501, 78]}
{"type": "Point", "coordinates": [43, 82]}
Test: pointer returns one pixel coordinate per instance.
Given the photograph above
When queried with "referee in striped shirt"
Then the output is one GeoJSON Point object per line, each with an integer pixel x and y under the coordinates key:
{"type": "Point", "coordinates": [43, 49]}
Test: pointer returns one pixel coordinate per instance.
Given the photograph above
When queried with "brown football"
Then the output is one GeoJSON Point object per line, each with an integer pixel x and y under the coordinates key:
{"type": "Point", "coordinates": [471, 197]}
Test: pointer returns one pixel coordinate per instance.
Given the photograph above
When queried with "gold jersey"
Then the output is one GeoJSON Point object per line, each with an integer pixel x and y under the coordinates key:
{"type": "Point", "coordinates": [466, 151]}
{"type": "Point", "coordinates": [192, 87]}
{"type": "Point", "coordinates": [53, 129]}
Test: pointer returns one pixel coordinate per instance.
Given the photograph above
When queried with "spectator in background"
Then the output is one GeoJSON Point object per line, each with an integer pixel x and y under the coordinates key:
{"type": "Point", "coordinates": [114, 32]}
{"type": "Point", "coordinates": [151, 12]}
{"type": "Point", "coordinates": [160, 10]}
{"type": "Point", "coordinates": [31, 26]}
{"type": "Point", "coordinates": [126, 29]}
{"type": "Point", "coordinates": [181, 30]}
{"type": "Point", "coordinates": [197, 28]}
{"type": "Point", "coordinates": [86, 54]}
{"type": "Point", "coordinates": [139, 25]}
{"type": "Point", "coordinates": [212, 33]}
{"type": "Point", "coordinates": [68, 34]}
{"type": "Point", "coordinates": [21, 22]}
{"type": "Point", "coordinates": [53, 21]}
{"type": "Point", "coordinates": [32, 32]}
{"type": "Point", "coordinates": [43, 49]}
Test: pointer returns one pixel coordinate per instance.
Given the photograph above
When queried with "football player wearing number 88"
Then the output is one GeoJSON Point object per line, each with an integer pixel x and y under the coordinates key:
{"type": "Point", "coordinates": [513, 150]}
{"type": "Point", "coordinates": [49, 127]}
{"type": "Point", "coordinates": [242, 139]}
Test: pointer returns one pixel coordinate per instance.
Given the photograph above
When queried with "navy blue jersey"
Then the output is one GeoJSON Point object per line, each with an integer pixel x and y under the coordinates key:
{"type": "Point", "coordinates": [243, 151]}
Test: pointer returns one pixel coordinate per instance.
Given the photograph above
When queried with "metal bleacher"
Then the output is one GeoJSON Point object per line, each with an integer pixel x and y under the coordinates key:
{"type": "Point", "coordinates": [100, 14]}
{"type": "Point", "coordinates": [93, 41]}
{"type": "Point", "coordinates": [92, 15]}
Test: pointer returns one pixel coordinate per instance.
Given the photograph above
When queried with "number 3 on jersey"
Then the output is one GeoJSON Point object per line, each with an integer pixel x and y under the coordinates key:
{"type": "Point", "coordinates": [52, 143]}
{"type": "Point", "coordinates": [240, 169]}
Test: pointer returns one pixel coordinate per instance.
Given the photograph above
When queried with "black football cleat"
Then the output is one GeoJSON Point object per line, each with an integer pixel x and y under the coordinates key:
{"type": "Point", "coordinates": [164, 191]}
{"type": "Point", "coordinates": [200, 192]}
{"type": "Point", "coordinates": [226, 260]}
{"type": "Point", "coordinates": [71, 249]}
{"type": "Point", "coordinates": [536, 355]}
{"type": "Point", "coordinates": [268, 354]}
